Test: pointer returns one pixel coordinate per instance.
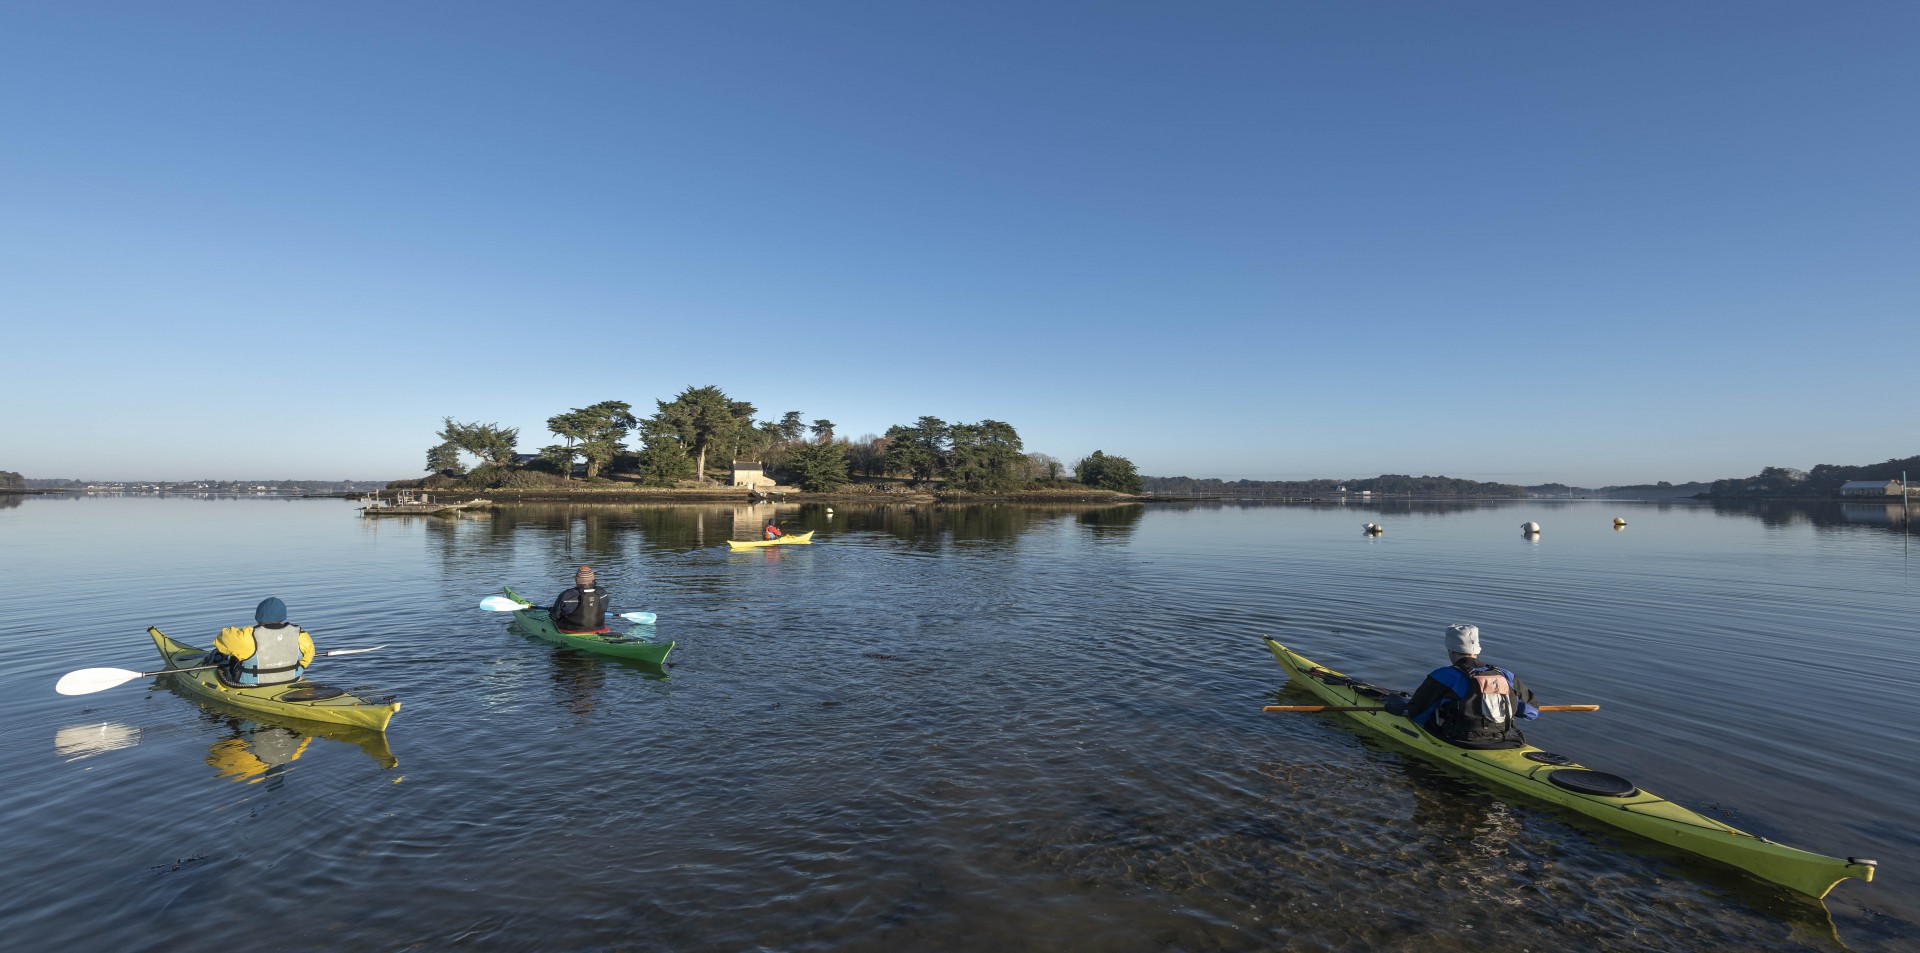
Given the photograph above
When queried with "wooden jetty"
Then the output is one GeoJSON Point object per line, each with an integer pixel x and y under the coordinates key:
{"type": "Point", "coordinates": [407, 503]}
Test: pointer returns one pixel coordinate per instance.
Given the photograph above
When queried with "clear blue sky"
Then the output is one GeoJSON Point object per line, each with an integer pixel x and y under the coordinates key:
{"type": "Point", "coordinates": [1516, 241]}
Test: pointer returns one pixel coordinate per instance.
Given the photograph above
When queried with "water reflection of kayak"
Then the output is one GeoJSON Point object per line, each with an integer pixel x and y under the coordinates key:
{"type": "Point", "coordinates": [804, 539]}
{"type": "Point", "coordinates": [1603, 797]}
{"type": "Point", "coordinates": [303, 700]}
{"type": "Point", "coordinates": [251, 750]}
{"type": "Point", "coordinates": [255, 751]}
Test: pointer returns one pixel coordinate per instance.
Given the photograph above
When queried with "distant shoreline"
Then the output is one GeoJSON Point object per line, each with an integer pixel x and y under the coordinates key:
{"type": "Point", "coordinates": [737, 495]}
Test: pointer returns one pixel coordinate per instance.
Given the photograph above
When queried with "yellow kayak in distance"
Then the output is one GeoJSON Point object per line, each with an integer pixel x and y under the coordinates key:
{"type": "Point", "coordinates": [804, 539]}
{"type": "Point", "coordinates": [1603, 797]}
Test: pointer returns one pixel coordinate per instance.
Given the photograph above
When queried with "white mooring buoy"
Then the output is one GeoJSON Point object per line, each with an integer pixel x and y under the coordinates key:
{"type": "Point", "coordinates": [1529, 529]}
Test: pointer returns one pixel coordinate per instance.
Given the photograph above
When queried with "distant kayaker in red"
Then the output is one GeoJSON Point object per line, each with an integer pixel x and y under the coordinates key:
{"type": "Point", "coordinates": [772, 531]}
{"type": "Point", "coordinates": [1469, 703]}
{"type": "Point", "coordinates": [271, 652]}
{"type": "Point", "coordinates": [582, 608]}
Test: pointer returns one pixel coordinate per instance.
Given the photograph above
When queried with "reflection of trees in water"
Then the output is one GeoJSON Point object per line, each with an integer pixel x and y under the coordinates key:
{"type": "Point", "coordinates": [609, 529]}
{"type": "Point", "coordinates": [1820, 515]}
{"type": "Point", "coordinates": [10, 500]}
{"type": "Point", "coordinates": [989, 522]}
{"type": "Point", "coordinates": [905, 521]}
{"type": "Point", "coordinates": [1380, 507]}
{"type": "Point", "coordinates": [1112, 523]}
{"type": "Point", "coordinates": [608, 533]}
{"type": "Point", "coordinates": [565, 535]}
{"type": "Point", "coordinates": [677, 527]}
{"type": "Point", "coordinates": [993, 522]}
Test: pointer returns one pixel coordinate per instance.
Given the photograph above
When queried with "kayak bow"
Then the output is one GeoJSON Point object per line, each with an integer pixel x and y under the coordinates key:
{"type": "Point", "coordinates": [1603, 797]}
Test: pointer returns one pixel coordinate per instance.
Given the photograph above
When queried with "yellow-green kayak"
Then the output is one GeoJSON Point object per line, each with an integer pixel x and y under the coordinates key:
{"type": "Point", "coordinates": [1603, 797]}
{"type": "Point", "coordinates": [804, 539]}
{"type": "Point", "coordinates": [299, 699]}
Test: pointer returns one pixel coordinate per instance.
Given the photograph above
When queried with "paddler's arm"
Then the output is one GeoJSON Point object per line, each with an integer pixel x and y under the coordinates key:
{"type": "Point", "coordinates": [1525, 695]}
{"type": "Point", "coordinates": [1430, 693]}
{"type": "Point", "coordinates": [235, 641]}
{"type": "Point", "coordinates": [564, 604]}
{"type": "Point", "coordinates": [306, 649]}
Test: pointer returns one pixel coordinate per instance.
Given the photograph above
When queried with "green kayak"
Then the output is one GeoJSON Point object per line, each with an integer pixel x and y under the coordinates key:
{"type": "Point", "coordinates": [1603, 797]}
{"type": "Point", "coordinates": [535, 622]}
{"type": "Point", "coordinates": [300, 699]}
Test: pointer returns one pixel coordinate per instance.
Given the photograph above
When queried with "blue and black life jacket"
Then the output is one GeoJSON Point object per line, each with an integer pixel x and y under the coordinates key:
{"type": "Point", "coordinates": [1484, 710]}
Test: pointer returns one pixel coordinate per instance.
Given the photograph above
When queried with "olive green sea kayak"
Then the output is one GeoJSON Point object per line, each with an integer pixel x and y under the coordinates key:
{"type": "Point", "coordinates": [1603, 797]}
{"type": "Point", "coordinates": [300, 699]}
{"type": "Point", "coordinates": [535, 622]}
{"type": "Point", "coordinates": [803, 539]}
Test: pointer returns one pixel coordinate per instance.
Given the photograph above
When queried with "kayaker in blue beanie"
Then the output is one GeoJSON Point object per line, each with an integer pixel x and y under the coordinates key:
{"type": "Point", "coordinates": [1469, 703]}
{"type": "Point", "coordinates": [582, 608]}
{"type": "Point", "coordinates": [270, 652]}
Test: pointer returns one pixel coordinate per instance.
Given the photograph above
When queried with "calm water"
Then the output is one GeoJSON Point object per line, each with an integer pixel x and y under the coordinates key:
{"type": "Point", "coordinates": [950, 729]}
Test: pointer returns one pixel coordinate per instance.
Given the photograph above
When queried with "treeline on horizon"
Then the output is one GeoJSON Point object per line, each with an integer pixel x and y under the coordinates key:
{"type": "Point", "coordinates": [701, 424]}
{"type": "Point", "coordinates": [10, 480]}
{"type": "Point", "coordinates": [1823, 480]}
{"type": "Point", "coordinates": [1663, 490]}
{"type": "Point", "coordinates": [1390, 484]}
{"type": "Point", "coordinates": [303, 486]}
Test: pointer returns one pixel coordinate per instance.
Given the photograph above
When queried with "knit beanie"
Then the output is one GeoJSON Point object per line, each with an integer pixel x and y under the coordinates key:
{"type": "Point", "coordinates": [271, 611]}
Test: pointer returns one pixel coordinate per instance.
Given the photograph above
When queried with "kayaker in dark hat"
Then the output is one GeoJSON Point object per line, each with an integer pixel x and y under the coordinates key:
{"type": "Point", "coordinates": [772, 531]}
{"type": "Point", "coordinates": [582, 608]}
{"type": "Point", "coordinates": [1470, 703]}
{"type": "Point", "coordinates": [270, 652]}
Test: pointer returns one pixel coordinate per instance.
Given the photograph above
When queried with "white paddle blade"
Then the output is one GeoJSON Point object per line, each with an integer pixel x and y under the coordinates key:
{"type": "Point", "coordinates": [640, 618]}
{"type": "Point", "coordinates": [90, 680]}
{"type": "Point", "coordinates": [502, 604]}
{"type": "Point", "coordinates": [353, 651]}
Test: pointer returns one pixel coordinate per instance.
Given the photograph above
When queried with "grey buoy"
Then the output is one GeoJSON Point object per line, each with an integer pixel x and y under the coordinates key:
{"type": "Point", "coordinates": [1529, 529]}
{"type": "Point", "coordinates": [1372, 529]}
{"type": "Point", "coordinates": [1618, 522]}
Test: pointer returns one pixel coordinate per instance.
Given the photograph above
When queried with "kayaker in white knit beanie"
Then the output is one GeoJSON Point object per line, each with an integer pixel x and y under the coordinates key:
{"type": "Point", "coordinates": [1463, 640]}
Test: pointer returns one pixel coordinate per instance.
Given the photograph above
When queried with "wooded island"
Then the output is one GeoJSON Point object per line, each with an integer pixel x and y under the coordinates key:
{"type": "Point", "coordinates": [680, 444]}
